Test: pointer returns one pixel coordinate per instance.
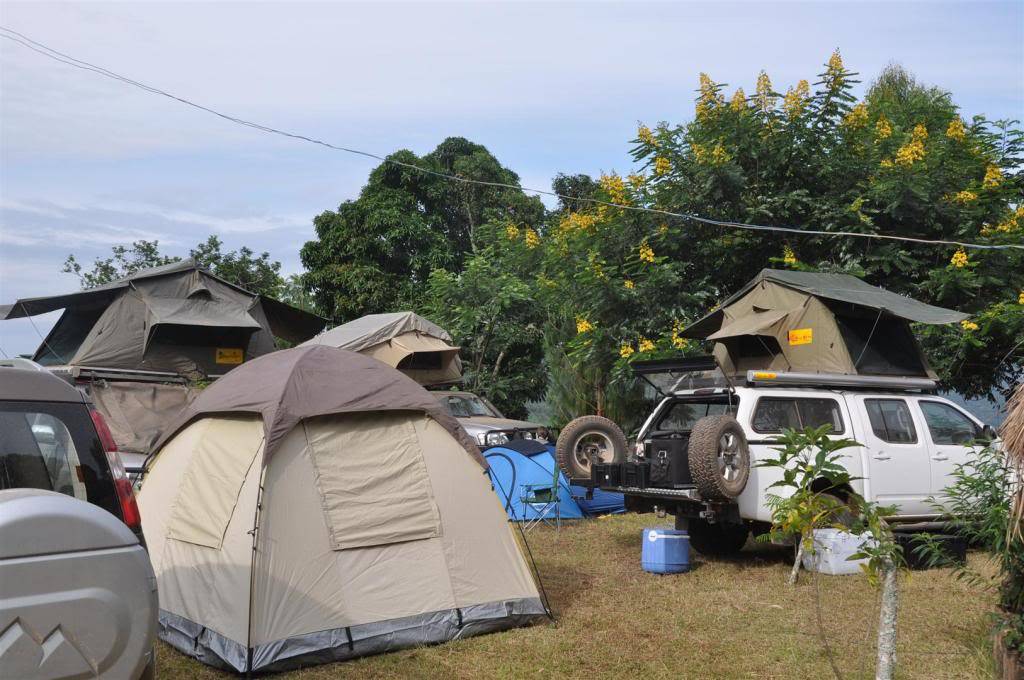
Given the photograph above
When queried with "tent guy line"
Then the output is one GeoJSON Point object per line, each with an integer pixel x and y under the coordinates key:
{"type": "Point", "coordinates": [63, 58]}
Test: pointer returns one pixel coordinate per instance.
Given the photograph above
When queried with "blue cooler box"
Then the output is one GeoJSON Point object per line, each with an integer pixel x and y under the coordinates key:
{"type": "Point", "coordinates": [665, 551]}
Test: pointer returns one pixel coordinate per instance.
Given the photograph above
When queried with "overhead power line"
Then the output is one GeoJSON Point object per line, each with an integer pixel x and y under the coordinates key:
{"type": "Point", "coordinates": [51, 53]}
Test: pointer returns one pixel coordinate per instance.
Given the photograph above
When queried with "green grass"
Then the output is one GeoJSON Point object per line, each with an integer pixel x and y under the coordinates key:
{"type": "Point", "coordinates": [725, 619]}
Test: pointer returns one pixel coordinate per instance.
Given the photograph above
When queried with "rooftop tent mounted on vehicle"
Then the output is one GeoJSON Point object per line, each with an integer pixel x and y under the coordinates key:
{"type": "Point", "coordinates": [178, 318]}
{"type": "Point", "coordinates": [405, 340]}
{"type": "Point", "coordinates": [818, 323]}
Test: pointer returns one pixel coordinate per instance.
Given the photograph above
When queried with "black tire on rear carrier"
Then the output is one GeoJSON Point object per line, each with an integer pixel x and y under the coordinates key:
{"type": "Point", "coordinates": [717, 540]}
{"type": "Point", "coordinates": [719, 458]}
{"type": "Point", "coordinates": [587, 439]}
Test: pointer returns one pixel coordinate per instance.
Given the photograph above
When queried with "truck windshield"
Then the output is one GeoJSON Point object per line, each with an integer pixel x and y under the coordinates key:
{"type": "Point", "coordinates": [467, 406]}
{"type": "Point", "coordinates": [681, 415]}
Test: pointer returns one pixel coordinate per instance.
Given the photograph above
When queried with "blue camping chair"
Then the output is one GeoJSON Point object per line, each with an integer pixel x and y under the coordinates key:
{"type": "Point", "coordinates": [543, 499]}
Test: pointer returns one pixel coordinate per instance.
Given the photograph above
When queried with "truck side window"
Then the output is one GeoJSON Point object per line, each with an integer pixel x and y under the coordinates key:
{"type": "Point", "coordinates": [891, 421]}
{"type": "Point", "coordinates": [775, 414]}
{"type": "Point", "coordinates": [947, 425]}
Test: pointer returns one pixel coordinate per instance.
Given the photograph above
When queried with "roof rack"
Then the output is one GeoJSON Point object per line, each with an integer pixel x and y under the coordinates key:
{"type": "Point", "coordinates": [839, 380]}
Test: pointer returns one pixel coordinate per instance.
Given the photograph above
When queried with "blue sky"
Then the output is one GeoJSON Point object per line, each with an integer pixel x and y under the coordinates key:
{"type": "Point", "coordinates": [86, 163]}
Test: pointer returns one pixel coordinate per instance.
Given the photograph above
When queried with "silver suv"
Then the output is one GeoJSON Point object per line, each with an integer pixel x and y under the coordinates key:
{"type": "Point", "coordinates": [485, 423]}
{"type": "Point", "coordinates": [77, 592]}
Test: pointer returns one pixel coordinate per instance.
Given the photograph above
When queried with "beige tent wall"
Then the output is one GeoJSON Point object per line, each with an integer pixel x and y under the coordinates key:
{"type": "Point", "coordinates": [200, 583]}
{"type": "Point", "coordinates": [393, 351]}
{"type": "Point", "coordinates": [305, 586]}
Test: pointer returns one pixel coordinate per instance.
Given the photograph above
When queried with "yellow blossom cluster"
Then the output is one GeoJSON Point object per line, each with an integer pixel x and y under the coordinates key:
{"type": "Point", "coordinates": [764, 100]}
{"type": "Point", "coordinates": [788, 256]}
{"type": "Point", "coordinates": [993, 176]}
{"type": "Point", "coordinates": [1020, 298]}
{"type": "Point", "coordinates": [965, 196]}
{"type": "Point", "coordinates": [645, 345]}
{"type": "Point", "coordinates": [646, 252]}
{"type": "Point", "coordinates": [913, 150]}
{"type": "Point", "coordinates": [615, 188]}
{"type": "Point", "coordinates": [663, 228]}
{"type": "Point", "coordinates": [959, 259]}
{"type": "Point", "coordinates": [1012, 223]}
{"type": "Point", "coordinates": [857, 117]}
{"type": "Point", "coordinates": [968, 325]}
{"type": "Point", "coordinates": [834, 70]}
{"type": "Point", "coordinates": [796, 99]}
{"type": "Point", "coordinates": [636, 181]}
{"type": "Point", "coordinates": [595, 265]}
{"type": "Point", "coordinates": [716, 155]}
{"type": "Point", "coordinates": [577, 221]}
{"type": "Point", "coordinates": [662, 166]}
{"type": "Point", "coordinates": [511, 232]}
{"type": "Point", "coordinates": [644, 134]}
{"type": "Point", "coordinates": [883, 129]}
{"type": "Point", "coordinates": [626, 350]}
{"type": "Point", "coordinates": [532, 239]}
{"type": "Point", "coordinates": [629, 284]}
{"type": "Point", "coordinates": [583, 326]}
{"type": "Point", "coordinates": [956, 130]}
{"type": "Point", "coordinates": [678, 341]}
{"type": "Point", "coordinates": [739, 101]}
{"type": "Point", "coordinates": [709, 98]}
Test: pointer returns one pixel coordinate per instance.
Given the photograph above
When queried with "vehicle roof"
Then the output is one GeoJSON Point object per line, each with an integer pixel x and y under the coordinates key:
{"type": "Point", "coordinates": [797, 389]}
{"type": "Point", "coordinates": [453, 393]}
{"type": "Point", "coordinates": [22, 384]}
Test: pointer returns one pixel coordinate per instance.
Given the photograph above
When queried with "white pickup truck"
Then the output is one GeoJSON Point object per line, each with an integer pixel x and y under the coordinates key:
{"type": "Point", "coordinates": [696, 455]}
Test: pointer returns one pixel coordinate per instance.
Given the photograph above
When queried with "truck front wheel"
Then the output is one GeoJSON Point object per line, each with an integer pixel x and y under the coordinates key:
{"type": "Point", "coordinates": [715, 540]}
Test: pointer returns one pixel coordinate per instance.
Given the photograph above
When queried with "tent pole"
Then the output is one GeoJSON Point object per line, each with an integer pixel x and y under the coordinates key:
{"type": "Point", "coordinates": [867, 342]}
{"type": "Point", "coordinates": [252, 566]}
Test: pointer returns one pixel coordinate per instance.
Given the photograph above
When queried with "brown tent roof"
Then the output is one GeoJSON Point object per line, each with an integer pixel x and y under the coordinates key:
{"type": "Point", "coordinates": [291, 385]}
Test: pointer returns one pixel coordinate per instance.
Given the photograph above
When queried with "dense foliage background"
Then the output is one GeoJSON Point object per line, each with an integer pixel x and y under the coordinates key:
{"type": "Point", "coordinates": [555, 303]}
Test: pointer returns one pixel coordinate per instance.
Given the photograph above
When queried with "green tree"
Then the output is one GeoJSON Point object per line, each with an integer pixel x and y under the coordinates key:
{"type": "Point", "coordinates": [123, 261]}
{"type": "Point", "coordinates": [375, 253]}
{"type": "Point", "coordinates": [900, 162]}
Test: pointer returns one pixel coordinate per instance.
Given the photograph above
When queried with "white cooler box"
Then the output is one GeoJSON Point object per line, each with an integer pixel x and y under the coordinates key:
{"type": "Point", "coordinates": [832, 548]}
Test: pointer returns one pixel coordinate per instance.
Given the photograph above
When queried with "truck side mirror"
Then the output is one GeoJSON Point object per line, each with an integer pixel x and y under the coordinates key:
{"type": "Point", "coordinates": [988, 433]}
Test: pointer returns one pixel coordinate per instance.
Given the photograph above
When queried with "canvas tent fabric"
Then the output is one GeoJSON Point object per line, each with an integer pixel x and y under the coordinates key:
{"type": "Point", "coordinates": [405, 340]}
{"type": "Point", "coordinates": [824, 323]}
{"type": "Point", "coordinates": [177, 318]}
{"type": "Point", "coordinates": [313, 380]}
{"type": "Point", "coordinates": [375, 529]}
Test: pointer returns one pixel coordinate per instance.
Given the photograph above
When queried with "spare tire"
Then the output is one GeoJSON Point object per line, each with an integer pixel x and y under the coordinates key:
{"type": "Point", "coordinates": [589, 439]}
{"type": "Point", "coordinates": [719, 457]}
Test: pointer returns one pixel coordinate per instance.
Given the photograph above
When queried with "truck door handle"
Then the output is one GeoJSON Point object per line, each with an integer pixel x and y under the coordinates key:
{"type": "Point", "coordinates": [940, 457]}
{"type": "Point", "coordinates": [881, 456]}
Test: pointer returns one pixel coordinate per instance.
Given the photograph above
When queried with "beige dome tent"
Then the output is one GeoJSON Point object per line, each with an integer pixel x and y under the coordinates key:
{"type": "Point", "coordinates": [415, 346]}
{"type": "Point", "coordinates": [818, 323]}
{"type": "Point", "coordinates": [315, 505]}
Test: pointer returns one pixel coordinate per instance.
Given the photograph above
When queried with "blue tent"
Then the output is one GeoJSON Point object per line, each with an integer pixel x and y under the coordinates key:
{"type": "Point", "coordinates": [525, 461]}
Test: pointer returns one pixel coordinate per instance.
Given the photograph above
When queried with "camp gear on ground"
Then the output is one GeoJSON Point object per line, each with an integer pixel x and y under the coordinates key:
{"type": "Point", "coordinates": [405, 340]}
{"type": "Point", "coordinates": [178, 318]}
{"type": "Point", "coordinates": [316, 505]}
{"type": "Point", "coordinates": [821, 323]}
{"type": "Point", "coordinates": [831, 552]}
{"type": "Point", "coordinates": [664, 551]}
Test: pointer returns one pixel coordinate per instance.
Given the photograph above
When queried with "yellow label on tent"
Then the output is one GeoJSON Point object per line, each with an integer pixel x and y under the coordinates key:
{"type": "Point", "coordinates": [764, 376]}
{"type": "Point", "coordinates": [801, 336]}
{"type": "Point", "coordinates": [229, 355]}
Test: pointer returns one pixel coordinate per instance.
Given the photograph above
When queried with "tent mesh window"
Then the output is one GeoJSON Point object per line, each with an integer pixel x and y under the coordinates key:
{"type": "Point", "coordinates": [889, 350]}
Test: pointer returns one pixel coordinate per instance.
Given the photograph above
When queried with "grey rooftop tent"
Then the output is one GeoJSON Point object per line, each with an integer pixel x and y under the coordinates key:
{"type": "Point", "coordinates": [818, 323]}
{"type": "Point", "coordinates": [405, 340]}
{"type": "Point", "coordinates": [177, 318]}
{"type": "Point", "coordinates": [315, 505]}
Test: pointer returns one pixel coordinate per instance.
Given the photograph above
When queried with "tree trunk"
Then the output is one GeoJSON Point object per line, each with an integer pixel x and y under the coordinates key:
{"type": "Point", "coordinates": [887, 622]}
{"type": "Point", "coordinates": [796, 563]}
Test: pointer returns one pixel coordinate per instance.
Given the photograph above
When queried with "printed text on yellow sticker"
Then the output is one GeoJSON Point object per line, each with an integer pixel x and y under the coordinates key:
{"type": "Point", "coordinates": [229, 355]}
{"type": "Point", "coordinates": [801, 336]}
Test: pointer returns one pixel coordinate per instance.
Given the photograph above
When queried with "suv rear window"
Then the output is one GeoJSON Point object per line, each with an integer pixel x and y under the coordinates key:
{"type": "Point", "coordinates": [681, 416]}
{"type": "Point", "coordinates": [53, 446]}
{"type": "Point", "coordinates": [775, 414]}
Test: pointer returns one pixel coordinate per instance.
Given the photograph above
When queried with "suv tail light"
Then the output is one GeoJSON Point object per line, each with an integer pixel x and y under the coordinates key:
{"type": "Point", "coordinates": [123, 486]}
